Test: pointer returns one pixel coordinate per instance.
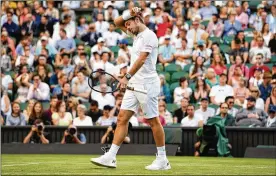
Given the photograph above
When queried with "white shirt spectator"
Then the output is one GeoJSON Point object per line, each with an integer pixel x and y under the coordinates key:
{"type": "Point", "coordinates": [6, 80]}
{"type": "Point", "coordinates": [206, 53]}
{"type": "Point", "coordinates": [41, 93]}
{"type": "Point", "coordinates": [255, 82]}
{"type": "Point", "coordinates": [95, 48]}
{"type": "Point", "coordinates": [210, 112]}
{"type": "Point", "coordinates": [109, 67]}
{"type": "Point", "coordinates": [122, 53]}
{"type": "Point", "coordinates": [70, 29]}
{"type": "Point", "coordinates": [72, 4]}
{"type": "Point", "coordinates": [221, 92]}
{"type": "Point", "coordinates": [178, 91]}
{"type": "Point", "coordinates": [111, 38]}
{"type": "Point", "coordinates": [116, 4]}
{"type": "Point", "coordinates": [106, 122]}
{"type": "Point", "coordinates": [190, 36]}
{"type": "Point", "coordinates": [30, 61]}
{"type": "Point", "coordinates": [114, 14]}
{"type": "Point", "coordinates": [259, 104]}
{"type": "Point", "coordinates": [232, 111]}
{"type": "Point", "coordinates": [187, 122]}
{"type": "Point", "coordinates": [87, 121]}
{"type": "Point", "coordinates": [265, 51]}
{"type": "Point", "coordinates": [107, 99]}
{"type": "Point", "coordinates": [102, 27]}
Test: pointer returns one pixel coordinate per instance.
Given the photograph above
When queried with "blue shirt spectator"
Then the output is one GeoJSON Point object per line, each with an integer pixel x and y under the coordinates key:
{"type": "Point", "coordinates": [10, 26]}
{"type": "Point", "coordinates": [207, 11]}
{"type": "Point", "coordinates": [232, 26]}
{"type": "Point", "coordinates": [265, 91]}
{"type": "Point", "coordinates": [67, 43]}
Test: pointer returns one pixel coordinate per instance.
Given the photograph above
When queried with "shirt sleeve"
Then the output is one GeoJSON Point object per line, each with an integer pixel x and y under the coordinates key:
{"type": "Point", "coordinates": [149, 43]}
{"type": "Point", "coordinates": [213, 92]}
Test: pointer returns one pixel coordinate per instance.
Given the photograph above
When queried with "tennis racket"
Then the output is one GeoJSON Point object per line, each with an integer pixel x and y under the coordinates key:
{"type": "Point", "coordinates": [103, 82]}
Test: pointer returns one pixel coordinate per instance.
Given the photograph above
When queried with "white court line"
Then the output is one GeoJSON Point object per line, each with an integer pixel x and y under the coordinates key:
{"type": "Point", "coordinates": [21, 164]}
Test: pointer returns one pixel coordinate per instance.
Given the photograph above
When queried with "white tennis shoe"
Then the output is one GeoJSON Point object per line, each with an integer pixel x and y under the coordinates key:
{"type": "Point", "coordinates": [159, 163]}
{"type": "Point", "coordinates": [104, 161]}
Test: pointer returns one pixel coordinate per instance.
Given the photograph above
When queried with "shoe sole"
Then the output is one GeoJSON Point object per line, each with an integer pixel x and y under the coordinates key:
{"type": "Point", "coordinates": [102, 165]}
{"type": "Point", "coordinates": [167, 168]}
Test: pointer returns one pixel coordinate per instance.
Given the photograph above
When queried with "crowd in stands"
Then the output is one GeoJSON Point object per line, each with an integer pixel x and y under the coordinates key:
{"type": "Point", "coordinates": [216, 58]}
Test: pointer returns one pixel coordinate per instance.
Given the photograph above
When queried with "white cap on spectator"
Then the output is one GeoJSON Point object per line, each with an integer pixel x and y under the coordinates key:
{"type": "Point", "coordinates": [101, 40]}
{"type": "Point", "coordinates": [167, 37]}
{"type": "Point", "coordinates": [146, 14]}
{"type": "Point", "coordinates": [4, 33]}
{"type": "Point", "coordinates": [44, 38]}
{"type": "Point", "coordinates": [260, 6]}
{"type": "Point", "coordinates": [196, 18]}
{"type": "Point", "coordinates": [123, 65]}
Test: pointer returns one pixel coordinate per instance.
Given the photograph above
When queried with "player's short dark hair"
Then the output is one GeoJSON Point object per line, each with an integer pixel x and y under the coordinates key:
{"type": "Point", "coordinates": [227, 98]}
{"type": "Point", "coordinates": [94, 103]}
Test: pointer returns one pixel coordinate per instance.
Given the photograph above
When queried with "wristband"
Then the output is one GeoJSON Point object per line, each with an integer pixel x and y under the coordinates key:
{"type": "Point", "coordinates": [126, 16]}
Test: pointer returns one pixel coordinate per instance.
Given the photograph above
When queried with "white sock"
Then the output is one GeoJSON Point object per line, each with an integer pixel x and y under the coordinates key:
{"type": "Point", "coordinates": [113, 150]}
{"type": "Point", "coordinates": [161, 151]}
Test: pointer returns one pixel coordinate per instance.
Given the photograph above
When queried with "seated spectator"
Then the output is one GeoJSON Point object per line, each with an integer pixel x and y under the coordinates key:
{"type": "Point", "coordinates": [15, 118]}
{"type": "Point", "coordinates": [207, 10]}
{"type": "Point", "coordinates": [106, 119]}
{"type": "Point", "coordinates": [241, 92]}
{"type": "Point", "coordinates": [99, 47]}
{"type": "Point", "coordinates": [101, 25]}
{"type": "Point", "coordinates": [257, 79]}
{"type": "Point", "coordinates": [236, 77]}
{"type": "Point", "coordinates": [143, 120]}
{"type": "Point", "coordinates": [183, 54]}
{"type": "Point", "coordinates": [192, 119]}
{"type": "Point", "coordinates": [45, 76]}
{"type": "Point", "coordinates": [270, 102]}
{"type": "Point", "coordinates": [118, 102]}
{"type": "Point", "coordinates": [80, 88]}
{"type": "Point", "coordinates": [165, 113]}
{"type": "Point", "coordinates": [195, 33]}
{"type": "Point", "coordinates": [255, 19]}
{"type": "Point", "coordinates": [258, 64]}
{"type": "Point", "coordinates": [124, 50]}
{"type": "Point", "coordinates": [109, 135]}
{"type": "Point", "coordinates": [228, 119]}
{"type": "Point", "coordinates": [23, 42]}
{"type": "Point", "coordinates": [5, 103]}
{"type": "Point", "coordinates": [266, 88]}
{"type": "Point", "coordinates": [182, 91]}
{"type": "Point", "coordinates": [82, 119]}
{"type": "Point", "coordinates": [238, 62]}
{"type": "Point", "coordinates": [180, 113]}
{"type": "Point", "coordinates": [10, 26]}
{"type": "Point", "coordinates": [36, 113]}
{"type": "Point", "coordinates": [111, 37]}
{"type": "Point", "coordinates": [78, 59]}
{"type": "Point", "coordinates": [255, 92]}
{"type": "Point", "coordinates": [72, 105]}
{"type": "Point", "coordinates": [219, 92]}
{"type": "Point", "coordinates": [272, 44]}
{"type": "Point", "coordinates": [47, 114]}
{"type": "Point", "coordinates": [205, 111]}
{"type": "Point", "coordinates": [82, 27]}
{"type": "Point", "coordinates": [7, 81]}
{"type": "Point", "coordinates": [62, 79]}
{"type": "Point", "coordinates": [215, 27]}
{"type": "Point", "coordinates": [110, 13]}
{"type": "Point", "coordinates": [194, 10]}
{"type": "Point", "coordinates": [51, 11]}
{"type": "Point", "coordinates": [218, 64]}
{"type": "Point", "coordinates": [267, 35]}
{"type": "Point", "coordinates": [231, 26]}
{"type": "Point", "coordinates": [39, 90]}
{"type": "Point", "coordinates": [166, 51]}
{"type": "Point", "coordinates": [92, 36]}
{"type": "Point", "coordinates": [29, 109]}
{"type": "Point", "coordinates": [260, 48]}
{"type": "Point", "coordinates": [271, 120]}
{"type": "Point", "coordinates": [67, 43]}
{"type": "Point", "coordinates": [165, 93]}
{"type": "Point", "coordinates": [242, 43]}
{"type": "Point", "coordinates": [61, 117]}
{"type": "Point", "coordinates": [251, 115]}
{"type": "Point", "coordinates": [66, 94]}
{"type": "Point", "coordinates": [45, 44]}
{"type": "Point", "coordinates": [6, 59]}
{"type": "Point", "coordinates": [148, 23]}
{"type": "Point", "coordinates": [212, 79]}
{"type": "Point", "coordinates": [202, 51]}
{"type": "Point", "coordinates": [23, 83]}
{"type": "Point", "coordinates": [107, 63]}
{"type": "Point", "coordinates": [242, 17]}
{"type": "Point", "coordinates": [238, 51]}
{"type": "Point", "coordinates": [201, 89]}
{"type": "Point", "coordinates": [37, 134]}
{"type": "Point", "coordinates": [198, 69]}
{"type": "Point", "coordinates": [230, 100]}
{"type": "Point", "coordinates": [103, 98]}
{"type": "Point", "coordinates": [94, 112]}
{"type": "Point", "coordinates": [30, 58]}
{"type": "Point", "coordinates": [71, 136]}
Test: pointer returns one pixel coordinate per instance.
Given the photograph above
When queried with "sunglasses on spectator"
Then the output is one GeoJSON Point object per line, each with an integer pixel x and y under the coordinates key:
{"type": "Point", "coordinates": [231, 102]}
{"type": "Point", "coordinates": [254, 91]}
{"type": "Point", "coordinates": [80, 48]}
{"type": "Point", "coordinates": [224, 107]}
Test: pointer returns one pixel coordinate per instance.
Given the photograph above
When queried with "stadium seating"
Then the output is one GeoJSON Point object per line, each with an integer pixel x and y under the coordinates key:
{"type": "Point", "coordinates": [171, 68]}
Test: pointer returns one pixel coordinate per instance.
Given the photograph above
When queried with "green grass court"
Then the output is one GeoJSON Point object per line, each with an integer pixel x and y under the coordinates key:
{"type": "Point", "coordinates": [133, 165]}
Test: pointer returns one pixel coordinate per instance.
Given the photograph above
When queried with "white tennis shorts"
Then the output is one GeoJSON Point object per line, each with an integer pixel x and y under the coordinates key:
{"type": "Point", "coordinates": [148, 102]}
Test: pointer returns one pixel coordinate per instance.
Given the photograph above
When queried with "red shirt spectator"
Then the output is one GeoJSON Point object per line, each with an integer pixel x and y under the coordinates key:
{"type": "Point", "coordinates": [162, 27]}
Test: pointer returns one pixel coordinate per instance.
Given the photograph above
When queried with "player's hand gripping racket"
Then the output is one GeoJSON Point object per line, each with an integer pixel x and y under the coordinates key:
{"type": "Point", "coordinates": [103, 82]}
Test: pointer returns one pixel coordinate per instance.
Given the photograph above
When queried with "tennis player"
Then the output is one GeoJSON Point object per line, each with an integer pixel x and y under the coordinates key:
{"type": "Point", "coordinates": [142, 75]}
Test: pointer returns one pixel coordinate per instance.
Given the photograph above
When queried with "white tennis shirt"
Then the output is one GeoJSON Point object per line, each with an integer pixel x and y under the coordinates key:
{"type": "Point", "coordinates": [145, 41]}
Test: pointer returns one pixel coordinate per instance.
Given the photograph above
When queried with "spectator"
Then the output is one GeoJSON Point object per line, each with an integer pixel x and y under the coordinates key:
{"type": "Point", "coordinates": [267, 35]}
{"type": "Point", "coordinates": [106, 119]}
{"type": "Point", "coordinates": [99, 48]}
{"type": "Point", "coordinates": [255, 19]}
{"type": "Point", "coordinates": [7, 81]}
{"type": "Point", "coordinates": [72, 105]}
{"type": "Point", "coordinates": [228, 119]}
{"type": "Point", "coordinates": [270, 102]}
{"type": "Point", "coordinates": [265, 88]}
{"type": "Point", "coordinates": [218, 64]}
{"type": "Point", "coordinates": [124, 51]}
{"type": "Point", "coordinates": [182, 91]}
{"type": "Point", "coordinates": [272, 44]}
{"type": "Point", "coordinates": [51, 11]}
{"type": "Point", "coordinates": [271, 19]}
{"type": "Point", "coordinates": [250, 115]}
{"type": "Point", "coordinates": [220, 92]}
{"type": "Point", "coordinates": [61, 117]}
{"type": "Point", "coordinates": [245, 7]}
{"type": "Point", "coordinates": [238, 49]}
{"type": "Point", "coordinates": [258, 64]}
{"type": "Point", "coordinates": [180, 113]}
{"type": "Point", "coordinates": [207, 11]}
{"type": "Point", "coordinates": [241, 92]}
{"type": "Point", "coordinates": [103, 98]}
{"type": "Point", "coordinates": [166, 51]}
{"type": "Point", "coordinates": [195, 33]}
{"type": "Point", "coordinates": [212, 79]}
{"type": "Point", "coordinates": [260, 48]}
{"type": "Point", "coordinates": [242, 17]}
{"type": "Point", "coordinates": [20, 47]}
{"type": "Point", "coordinates": [194, 10]}
{"type": "Point", "coordinates": [98, 10]}
{"type": "Point", "coordinates": [67, 43]}
{"type": "Point", "coordinates": [111, 37]}
{"type": "Point", "coordinates": [205, 111]}
{"type": "Point", "coordinates": [238, 62]}
{"type": "Point", "coordinates": [255, 92]}
{"type": "Point", "coordinates": [198, 69]}
{"type": "Point", "coordinates": [67, 11]}
{"type": "Point", "coordinates": [29, 109]}
{"type": "Point", "coordinates": [36, 113]}
{"type": "Point", "coordinates": [165, 113]}
{"type": "Point", "coordinates": [29, 26]}
{"type": "Point", "coordinates": [62, 79]}
{"type": "Point", "coordinates": [47, 114]}
{"type": "Point", "coordinates": [201, 89]}
{"type": "Point", "coordinates": [71, 4]}
{"type": "Point", "coordinates": [109, 135]}
{"type": "Point", "coordinates": [202, 51]}
{"type": "Point", "coordinates": [65, 94]}
{"type": "Point", "coordinates": [192, 119]}
{"type": "Point", "coordinates": [37, 134]}
{"type": "Point", "coordinates": [6, 108]}
{"type": "Point", "coordinates": [236, 77]}
{"type": "Point", "coordinates": [78, 59]}
{"type": "Point", "coordinates": [15, 118]}
{"type": "Point", "coordinates": [165, 93]}
{"type": "Point", "coordinates": [215, 27]}
{"type": "Point", "coordinates": [4, 17]}
{"type": "Point", "coordinates": [92, 36]}
{"type": "Point", "coordinates": [45, 44]}
{"type": "Point", "coordinates": [82, 119]}
{"type": "Point", "coordinates": [271, 120]}
{"type": "Point", "coordinates": [80, 88]}
{"type": "Point", "coordinates": [231, 26]}
{"type": "Point", "coordinates": [71, 136]}
{"type": "Point", "coordinates": [183, 54]}
{"type": "Point", "coordinates": [10, 26]}
{"type": "Point", "coordinates": [82, 27]}
{"type": "Point", "coordinates": [68, 69]}
{"type": "Point", "coordinates": [110, 13]}
{"type": "Point", "coordinates": [148, 23]}
{"type": "Point", "coordinates": [101, 25]}
{"type": "Point", "coordinates": [223, 15]}
{"type": "Point", "coordinates": [94, 112]}
{"type": "Point", "coordinates": [39, 90]}
{"type": "Point", "coordinates": [7, 43]}
{"type": "Point", "coordinates": [257, 79]}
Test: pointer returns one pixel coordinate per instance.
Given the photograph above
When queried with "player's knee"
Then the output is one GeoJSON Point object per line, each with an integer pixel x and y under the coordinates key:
{"type": "Point", "coordinates": [121, 120]}
{"type": "Point", "coordinates": [154, 122]}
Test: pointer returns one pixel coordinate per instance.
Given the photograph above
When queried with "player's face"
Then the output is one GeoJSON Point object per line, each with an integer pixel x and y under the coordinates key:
{"type": "Point", "coordinates": [132, 26]}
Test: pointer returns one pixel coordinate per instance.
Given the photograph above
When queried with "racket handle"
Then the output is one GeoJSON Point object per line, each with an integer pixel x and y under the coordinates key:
{"type": "Point", "coordinates": [137, 90]}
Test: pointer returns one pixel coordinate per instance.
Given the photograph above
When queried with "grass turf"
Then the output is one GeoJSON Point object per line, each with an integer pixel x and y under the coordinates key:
{"type": "Point", "coordinates": [133, 165]}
